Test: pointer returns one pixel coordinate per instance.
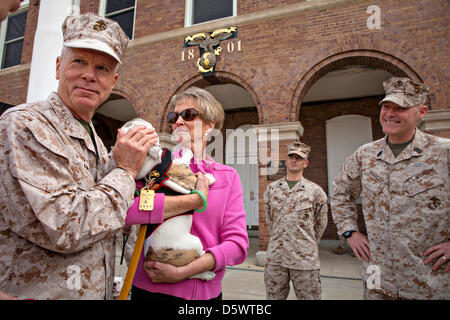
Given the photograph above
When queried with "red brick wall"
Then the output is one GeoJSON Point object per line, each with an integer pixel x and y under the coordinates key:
{"type": "Point", "coordinates": [30, 29]}
{"type": "Point", "coordinates": [444, 134]}
{"type": "Point", "coordinates": [277, 53]}
{"type": "Point", "coordinates": [313, 118]}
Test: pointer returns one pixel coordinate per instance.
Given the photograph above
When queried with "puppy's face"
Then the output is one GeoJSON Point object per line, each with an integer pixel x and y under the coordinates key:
{"type": "Point", "coordinates": [154, 154]}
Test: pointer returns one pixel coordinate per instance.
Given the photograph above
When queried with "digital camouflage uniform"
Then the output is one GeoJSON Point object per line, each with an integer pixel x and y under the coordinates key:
{"type": "Point", "coordinates": [59, 210]}
{"type": "Point", "coordinates": [405, 202]}
{"type": "Point", "coordinates": [296, 219]}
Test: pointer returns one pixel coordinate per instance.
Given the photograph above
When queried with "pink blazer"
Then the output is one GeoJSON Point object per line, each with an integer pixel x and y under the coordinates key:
{"type": "Point", "coordinates": [221, 229]}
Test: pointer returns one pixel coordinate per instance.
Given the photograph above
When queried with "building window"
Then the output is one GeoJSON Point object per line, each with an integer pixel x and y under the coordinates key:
{"type": "Point", "coordinates": [122, 11]}
{"type": "Point", "coordinates": [12, 33]}
{"type": "Point", "coordinates": [4, 107]}
{"type": "Point", "coordinates": [198, 11]}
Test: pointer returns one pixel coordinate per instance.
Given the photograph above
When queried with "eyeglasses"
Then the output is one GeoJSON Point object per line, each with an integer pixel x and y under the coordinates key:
{"type": "Point", "coordinates": [187, 115]}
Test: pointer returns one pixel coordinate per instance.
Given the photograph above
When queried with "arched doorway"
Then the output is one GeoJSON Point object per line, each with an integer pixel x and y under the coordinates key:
{"type": "Point", "coordinates": [337, 104]}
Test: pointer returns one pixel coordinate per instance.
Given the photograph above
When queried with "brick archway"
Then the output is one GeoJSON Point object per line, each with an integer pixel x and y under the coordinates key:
{"type": "Point", "coordinates": [370, 58]}
{"type": "Point", "coordinates": [221, 77]}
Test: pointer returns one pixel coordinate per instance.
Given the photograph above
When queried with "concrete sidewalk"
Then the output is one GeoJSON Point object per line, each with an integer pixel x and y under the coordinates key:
{"type": "Point", "coordinates": [339, 275]}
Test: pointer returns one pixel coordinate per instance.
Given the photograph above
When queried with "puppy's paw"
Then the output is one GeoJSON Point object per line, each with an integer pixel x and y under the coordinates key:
{"type": "Point", "coordinates": [182, 175]}
{"type": "Point", "coordinates": [210, 178]}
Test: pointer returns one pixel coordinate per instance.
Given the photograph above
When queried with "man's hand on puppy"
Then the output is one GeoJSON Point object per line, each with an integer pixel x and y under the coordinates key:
{"type": "Point", "coordinates": [131, 148]}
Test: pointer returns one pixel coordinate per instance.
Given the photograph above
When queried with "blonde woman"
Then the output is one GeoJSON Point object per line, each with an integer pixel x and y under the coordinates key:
{"type": "Point", "coordinates": [194, 113]}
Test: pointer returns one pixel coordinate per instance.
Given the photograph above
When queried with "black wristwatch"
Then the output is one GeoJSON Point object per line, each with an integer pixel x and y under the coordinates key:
{"type": "Point", "coordinates": [348, 234]}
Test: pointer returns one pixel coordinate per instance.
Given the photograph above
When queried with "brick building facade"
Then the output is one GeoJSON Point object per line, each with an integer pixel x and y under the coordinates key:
{"type": "Point", "coordinates": [283, 50]}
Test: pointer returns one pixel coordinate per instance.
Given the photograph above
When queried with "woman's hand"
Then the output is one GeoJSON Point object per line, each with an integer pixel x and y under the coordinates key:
{"type": "Point", "coordinates": [162, 273]}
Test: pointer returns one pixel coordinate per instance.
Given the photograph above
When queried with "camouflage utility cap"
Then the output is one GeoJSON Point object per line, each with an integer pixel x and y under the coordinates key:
{"type": "Point", "coordinates": [405, 92]}
{"type": "Point", "coordinates": [299, 148]}
{"type": "Point", "coordinates": [91, 31]}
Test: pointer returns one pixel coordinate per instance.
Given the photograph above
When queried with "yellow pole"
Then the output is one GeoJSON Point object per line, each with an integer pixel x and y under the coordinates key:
{"type": "Point", "coordinates": [133, 263]}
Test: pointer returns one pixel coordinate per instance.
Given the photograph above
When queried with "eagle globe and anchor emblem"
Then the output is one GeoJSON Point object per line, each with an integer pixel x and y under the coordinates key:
{"type": "Point", "coordinates": [208, 43]}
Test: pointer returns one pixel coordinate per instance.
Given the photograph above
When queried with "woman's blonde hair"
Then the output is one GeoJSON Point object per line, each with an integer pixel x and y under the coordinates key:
{"type": "Point", "coordinates": [210, 108]}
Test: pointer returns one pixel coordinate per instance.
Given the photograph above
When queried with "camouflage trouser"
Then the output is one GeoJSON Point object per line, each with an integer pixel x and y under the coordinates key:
{"type": "Point", "coordinates": [306, 283]}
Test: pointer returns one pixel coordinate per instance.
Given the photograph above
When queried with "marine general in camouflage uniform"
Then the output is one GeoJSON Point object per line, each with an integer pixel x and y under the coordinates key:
{"type": "Point", "coordinates": [404, 183]}
{"type": "Point", "coordinates": [296, 215]}
{"type": "Point", "coordinates": [59, 209]}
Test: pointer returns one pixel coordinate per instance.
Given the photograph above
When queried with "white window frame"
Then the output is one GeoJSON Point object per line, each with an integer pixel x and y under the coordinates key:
{"type": "Point", "coordinates": [3, 26]}
{"type": "Point", "coordinates": [102, 12]}
{"type": "Point", "coordinates": [189, 16]}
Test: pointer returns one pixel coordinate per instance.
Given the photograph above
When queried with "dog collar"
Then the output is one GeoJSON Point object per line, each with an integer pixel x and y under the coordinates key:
{"type": "Point", "coordinates": [159, 172]}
